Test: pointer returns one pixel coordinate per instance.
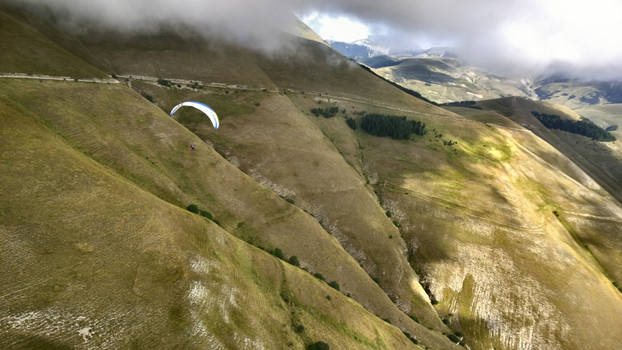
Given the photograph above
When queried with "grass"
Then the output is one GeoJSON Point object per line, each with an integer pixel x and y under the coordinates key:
{"type": "Point", "coordinates": [126, 170]}
{"type": "Point", "coordinates": [172, 175]}
{"type": "Point", "coordinates": [157, 268]}
{"type": "Point", "coordinates": [25, 50]}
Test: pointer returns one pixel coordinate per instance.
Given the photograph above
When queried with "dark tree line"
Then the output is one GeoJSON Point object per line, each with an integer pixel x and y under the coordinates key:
{"type": "Point", "coordinates": [467, 104]}
{"type": "Point", "coordinates": [582, 127]}
{"type": "Point", "coordinates": [351, 123]}
{"type": "Point", "coordinates": [395, 127]}
{"type": "Point", "coordinates": [327, 112]}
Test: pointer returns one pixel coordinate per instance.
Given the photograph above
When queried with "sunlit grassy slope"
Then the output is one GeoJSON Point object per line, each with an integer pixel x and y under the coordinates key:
{"type": "Point", "coordinates": [105, 175]}
{"type": "Point", "coordinates": [601, 160]}
{"type": "Point", "coordinates": [91, 259]}
{"type": "Point", "coordinates": [479, 220]}
{"type": "Point", "coordinates": [505, 232]}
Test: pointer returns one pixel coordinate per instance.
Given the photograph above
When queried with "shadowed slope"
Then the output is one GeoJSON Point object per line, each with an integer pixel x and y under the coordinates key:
{"type": "Point", "coordinates": [24, 50]}
{"type": "Point", "coordinates": [502, 228]}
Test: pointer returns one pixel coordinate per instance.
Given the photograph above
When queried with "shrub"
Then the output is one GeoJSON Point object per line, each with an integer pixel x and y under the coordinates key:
{"type": "Point", "coordinates": [387, 320]}
{"type": "Point", "coordinates": [320, 345]}
{"type": "Point", "coordinates": [319, 276]}
{"type": "Point", "coordinates": [410, 337]}
{"type": "Point", "coordinates": [206, 214]}
{"type": "Point", "coordinates": [147, 96]}
{"type": "Point", "coordinates": [414, 318]}
{"type": "Point", "coordinates": [334, 284]}
{"type": "Point", "coordinates": [294, 260]}
{"type": "Point", "coordinates": [165, 82]}
{"type": "Point", "coordinates": [327, 112]}
{"type": "Point", "coordinates": [454, 338]}
{"type": "Point", "coordinates": [397, 224]}
{"type": "Point", "coordinates": [299, 328]}
{"type": "Point", "coordinates": [351, 123]}
{"type": "Point", "coordinates": [388, 213]}
{"type": "Point", "coordinates": [193, 208]}
{"type": "Point", "coordinates": [278, 253]}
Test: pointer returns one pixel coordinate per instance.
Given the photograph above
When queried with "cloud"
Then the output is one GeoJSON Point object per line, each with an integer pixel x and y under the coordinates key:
{"type": "Point", "coordinates": [339, 28]}
{"type": "Point", "coordinates": [512, 36]}
{"type": "Point", "coordinates": [254, 23]}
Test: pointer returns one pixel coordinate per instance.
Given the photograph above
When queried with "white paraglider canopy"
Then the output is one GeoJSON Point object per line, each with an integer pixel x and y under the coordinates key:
{"type": "Point", "coordinates": [203, 108]}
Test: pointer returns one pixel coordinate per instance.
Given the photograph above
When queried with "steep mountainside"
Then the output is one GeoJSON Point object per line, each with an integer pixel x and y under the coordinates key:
{"type": "Point", "coordinates": [93, 259]}
{"type": "Point", "coordinates": [446, 79]}
{"type": "Point", "coordinates": [478, 232]}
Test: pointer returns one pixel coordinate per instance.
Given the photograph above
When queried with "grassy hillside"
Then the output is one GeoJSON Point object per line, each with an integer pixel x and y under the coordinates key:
{"type": "Point", "coordinates": [301, 64]}
{"type": "Point", "coordinates": [124, 132]}
{"type": "Point", "coordinates": [479, 220]}
{"type": "Point", "coordinates": [477, 232]}
{"type": "Point", "coordinates": [93, 260]}
{"type": "Point", "coordinates": [24, 50]}
{"type": "Point", "coordinates": [601, 160]}
{"type": "Point", "coordinates": [594, 229]}
{"type": "Point", "coordinates": [440, 198]}
{"type": "Point", "coordinates": [605, 116]}
{"type": "Point", "coordinates": [278, 146]}
{"type": "Point", "coordinates": [443, 79]}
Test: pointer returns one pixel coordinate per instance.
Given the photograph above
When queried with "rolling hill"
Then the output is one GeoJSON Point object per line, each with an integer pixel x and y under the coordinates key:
{"type": "Point", "coordinates": [482, 232]}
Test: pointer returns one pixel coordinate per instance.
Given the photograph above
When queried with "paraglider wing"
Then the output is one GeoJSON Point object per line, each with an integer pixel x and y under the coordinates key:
{"type": "Point", "coordinates": [203, 108]}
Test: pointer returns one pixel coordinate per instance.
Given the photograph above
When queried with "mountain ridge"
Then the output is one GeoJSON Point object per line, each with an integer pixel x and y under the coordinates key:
{"type": "Point", "coordinates": [441, 235]}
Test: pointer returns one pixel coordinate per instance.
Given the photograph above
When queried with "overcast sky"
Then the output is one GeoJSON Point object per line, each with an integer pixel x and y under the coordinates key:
{"type": "Point", "coordinates": [506, 35]}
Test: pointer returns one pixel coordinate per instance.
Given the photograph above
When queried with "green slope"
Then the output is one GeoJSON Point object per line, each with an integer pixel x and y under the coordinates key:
{"type": "Point", "coordinates": [445, 79]}
{"type": "Point", "coordinates": [518, 245]}
{"type": "Point", "coordinates": [124, 132]}
{"type": "Point", "coordinates": [478, 220]}
{"type": "Point", "coordinates": [93, 260]}
{"type": "Point", "coordinates": [281, 148]}
{"type": "Point", "coordinates": [601, 160]}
